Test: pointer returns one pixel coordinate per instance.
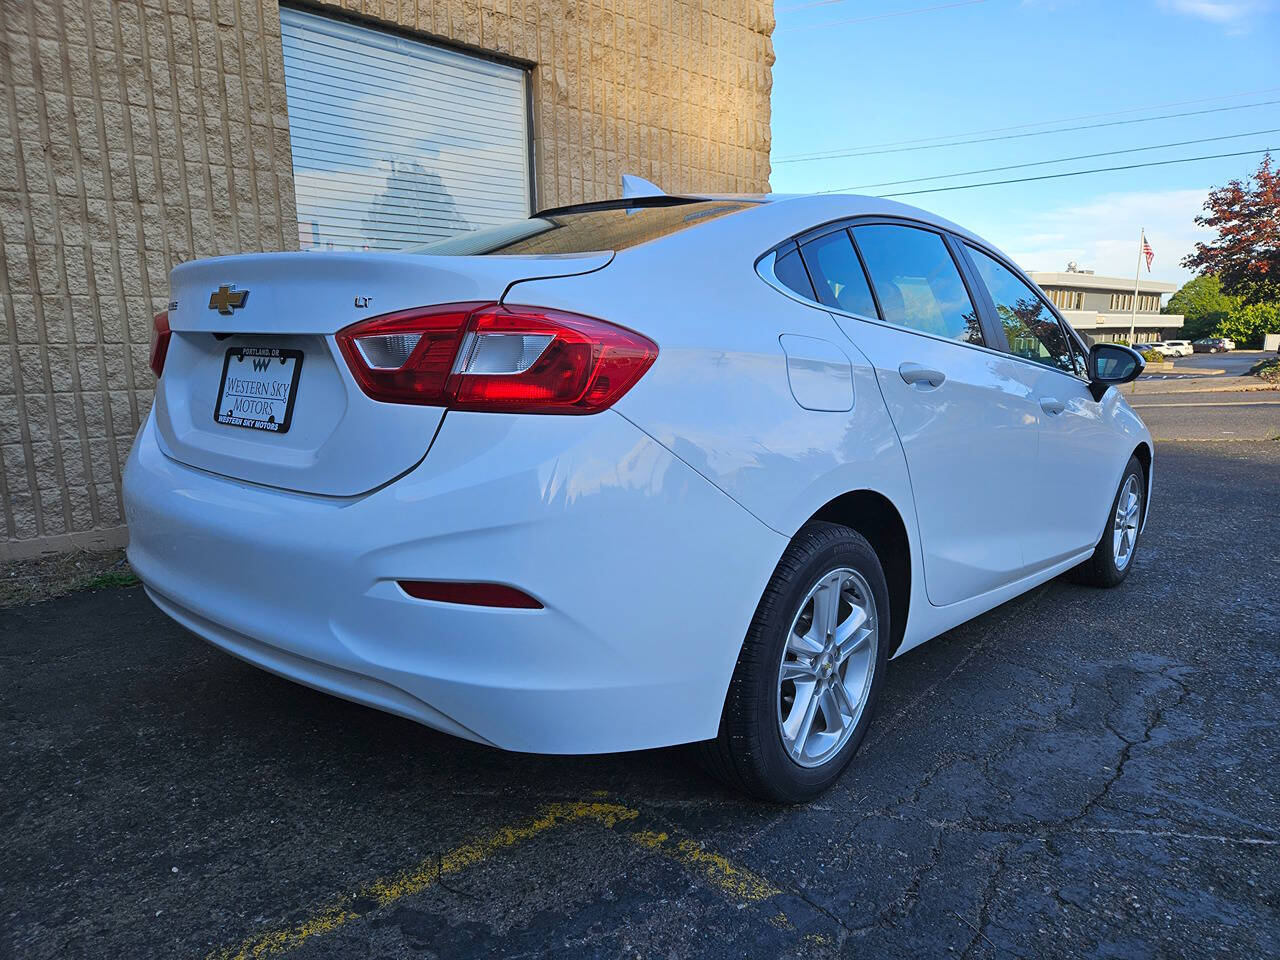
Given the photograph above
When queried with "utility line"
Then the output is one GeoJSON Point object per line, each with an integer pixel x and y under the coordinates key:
{"type": "Point", "coordinates": [1041, 163]}
{"type": "Point", "coordinates": [875, 16]}
{"type": "Point", "coordinates": [1037, 123]}
{"type": "Point", "coordinates": [1034, 133]}
{"type": "Point", "coordinates": [1079, 173]}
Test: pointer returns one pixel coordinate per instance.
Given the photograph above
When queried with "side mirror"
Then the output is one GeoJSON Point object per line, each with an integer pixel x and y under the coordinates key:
{"type": "Point", "coordinates": [1110, 365]}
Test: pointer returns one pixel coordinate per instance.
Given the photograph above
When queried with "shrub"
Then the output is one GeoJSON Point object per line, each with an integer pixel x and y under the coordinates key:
{"type": "Point", "coordinates": [1248, 324]}
{"type": "Point", "coordinates": [1153, 356]}
{"type": "Point", "coordinates": [1268, 370]}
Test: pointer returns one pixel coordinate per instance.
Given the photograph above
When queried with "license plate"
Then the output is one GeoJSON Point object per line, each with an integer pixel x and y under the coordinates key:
{"type": "Point", "coordinates": [259, 385]}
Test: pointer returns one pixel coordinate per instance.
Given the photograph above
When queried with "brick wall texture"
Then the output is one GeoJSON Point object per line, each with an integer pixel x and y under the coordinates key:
{"type": "Point", "coordinates": [136, 134]}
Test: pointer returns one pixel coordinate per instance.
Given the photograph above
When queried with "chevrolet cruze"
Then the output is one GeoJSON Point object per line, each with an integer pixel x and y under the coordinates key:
{"type": "Point", "coordinates": [628, 474]}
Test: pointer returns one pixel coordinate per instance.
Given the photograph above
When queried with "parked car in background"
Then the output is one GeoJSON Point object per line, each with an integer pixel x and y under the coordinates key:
{"type": "Point", "coordinates": [1158, 346]}
{"type": "Point", "coordinates": [1213, 345]}
{"type": "Point", "coordinates": [1180, 348]}
{"type": "Point", "coordinates": [538, 500]}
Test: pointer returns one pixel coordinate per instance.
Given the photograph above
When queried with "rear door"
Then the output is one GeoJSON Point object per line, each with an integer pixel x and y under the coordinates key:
{"type": "Point", "coordinates": [1078, 446]}
{"type": "Point", "coordinates": [962, 419]}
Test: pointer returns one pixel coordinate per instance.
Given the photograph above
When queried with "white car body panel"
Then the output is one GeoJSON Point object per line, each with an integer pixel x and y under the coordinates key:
{"type": "Point", "coordinates": [648, 531]}
{"type": "Point", "coordinates": [539, 502]}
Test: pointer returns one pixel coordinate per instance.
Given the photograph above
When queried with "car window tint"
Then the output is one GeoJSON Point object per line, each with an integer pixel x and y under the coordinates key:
{"type": "Point", "coordinates": [1030, 326]}
{"type": "Point", "coordinates": [585, 230]}
{"type": "Point", "coordinates": [789, 269]}
{"type": "Point", "coordinates": [837, 274]}
{"type": "Point", "coordinates": [917, 282]}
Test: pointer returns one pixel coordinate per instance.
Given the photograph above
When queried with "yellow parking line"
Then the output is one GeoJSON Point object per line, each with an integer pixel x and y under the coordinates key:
{"type": "Point", "coordinates": [387, 890]}
{"type": "Point", "coordinates": [425, 874]}
{"type": "Point", "coordinates": [738, 882]}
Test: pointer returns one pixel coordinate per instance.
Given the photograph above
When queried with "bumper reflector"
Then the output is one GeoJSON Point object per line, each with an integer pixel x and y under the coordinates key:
{"type": "Point", "coordinates": [473, 594]}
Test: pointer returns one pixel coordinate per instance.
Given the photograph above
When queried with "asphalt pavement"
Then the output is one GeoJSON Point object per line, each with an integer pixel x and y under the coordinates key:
{"type": "Point", "coordinates": [1233, 363]}
{"type": "Point", "coordinates": [1187, 416]}
{"type": "Point", "coordinates": [1079, 773]}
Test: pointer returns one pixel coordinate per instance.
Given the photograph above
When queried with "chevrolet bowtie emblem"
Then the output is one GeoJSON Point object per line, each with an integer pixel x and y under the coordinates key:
{"type": "Point", "coordinates": [227, 299]}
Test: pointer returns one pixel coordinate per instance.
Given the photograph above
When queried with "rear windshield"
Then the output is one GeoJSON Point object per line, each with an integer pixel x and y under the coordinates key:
{"type": "Point", "coordinates": [582, 231]}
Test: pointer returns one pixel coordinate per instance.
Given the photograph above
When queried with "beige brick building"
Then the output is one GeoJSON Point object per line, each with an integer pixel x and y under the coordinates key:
{"type": "Point", "coordinates": [135, 134]}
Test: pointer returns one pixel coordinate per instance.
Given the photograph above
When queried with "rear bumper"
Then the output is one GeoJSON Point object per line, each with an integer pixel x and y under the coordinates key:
{"type": "Point", "coordinates": [648, 574]}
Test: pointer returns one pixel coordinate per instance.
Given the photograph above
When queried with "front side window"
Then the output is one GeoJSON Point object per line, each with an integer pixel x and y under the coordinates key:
{"type": "Point", "coordinates": [837, 274]}
{"type": "Point", "coordinates": [917, 282]}
{"type": "Point", "coordinates": [1029, 325]}
{"type": "Point", "coordinates": [1079, 355]}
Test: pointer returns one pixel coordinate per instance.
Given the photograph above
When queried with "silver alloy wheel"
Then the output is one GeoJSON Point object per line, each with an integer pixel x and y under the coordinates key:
{"type": "Point", "coordinates": [1124, 532]}
{"type": "Point", "coordinates": [827, 667]}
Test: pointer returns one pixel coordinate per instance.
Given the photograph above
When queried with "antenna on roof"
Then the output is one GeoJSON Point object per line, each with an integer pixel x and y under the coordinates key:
{"type": "Point", "coordinates": [633, 186]}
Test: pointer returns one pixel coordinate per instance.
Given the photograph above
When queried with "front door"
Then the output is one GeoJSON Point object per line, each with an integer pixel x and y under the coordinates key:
{"type": "Point", "coordinates": [1073, 482]}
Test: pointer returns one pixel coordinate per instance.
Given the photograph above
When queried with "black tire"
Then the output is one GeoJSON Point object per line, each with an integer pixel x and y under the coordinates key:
{"type": "Point", "coordinates": [1102, 570]}
{"type": "Point", "coordinates": [748, 753]}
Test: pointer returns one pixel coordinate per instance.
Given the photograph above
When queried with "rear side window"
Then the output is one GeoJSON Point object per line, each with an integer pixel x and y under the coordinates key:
{"type": "Point", "coordinates": [1029, 325]}
{"type": "Point", "coordinates": [790, 272]}
{"type": "Point", "coordinates": [837, 274]}
{"type": "Point", "coordinates": [917, 282]}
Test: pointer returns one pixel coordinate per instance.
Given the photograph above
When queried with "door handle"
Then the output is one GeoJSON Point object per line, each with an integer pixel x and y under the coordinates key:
{"type": "Point", "coordinates": [1051, 406]}
{"type": "Point", "coordinates": [921, 377]}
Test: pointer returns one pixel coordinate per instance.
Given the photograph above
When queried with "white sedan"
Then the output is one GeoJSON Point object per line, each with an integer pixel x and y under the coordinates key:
{"type": "Point", "coordinates": [1167, 348]}
{"type": "Point", "coordinates": [628, 474]}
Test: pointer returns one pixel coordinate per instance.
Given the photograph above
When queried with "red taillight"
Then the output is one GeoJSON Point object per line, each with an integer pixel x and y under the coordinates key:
{"type": "Point", "coordinates": [406, 357]}
{"type": "Point", "coordinates": [516, 359]}
{"type": "Point", "coordinates": [160, 335]}
{"type": "Point", "coordinates": [472, 594]}
{"type": "Point", "coordinates": [533, 360]}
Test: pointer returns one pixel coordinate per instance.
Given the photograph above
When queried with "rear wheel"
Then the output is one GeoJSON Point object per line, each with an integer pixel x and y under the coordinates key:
{"type": "Point", "coordinates": [809, 670]}
{"type": "Point", "coordinates": [1113, 556]}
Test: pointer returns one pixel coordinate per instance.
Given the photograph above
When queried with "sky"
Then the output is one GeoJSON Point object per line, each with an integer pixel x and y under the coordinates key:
{"type": "Point", "coordinates": [868, 75]}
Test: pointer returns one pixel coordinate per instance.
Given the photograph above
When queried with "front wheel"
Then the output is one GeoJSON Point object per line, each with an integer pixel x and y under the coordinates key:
{"type": "Point", "coordinates": [809, 670]}
{"type": "Point", "coordinates": [1113, 556]}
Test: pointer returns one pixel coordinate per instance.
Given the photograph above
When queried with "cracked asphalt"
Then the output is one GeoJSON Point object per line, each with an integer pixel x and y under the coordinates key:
{"type": "Point", "coordinates": [1079, 773]}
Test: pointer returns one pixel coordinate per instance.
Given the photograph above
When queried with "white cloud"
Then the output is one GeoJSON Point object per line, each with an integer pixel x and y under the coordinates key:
{"type": "Point", "coordinates": [1102, 235]}
{"type": "Point", "coordinates": [1228, 12]}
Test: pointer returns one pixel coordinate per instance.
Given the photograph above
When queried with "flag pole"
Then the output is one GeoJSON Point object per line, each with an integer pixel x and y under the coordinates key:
{"type": "Point", "coordinates": [1137, 278]}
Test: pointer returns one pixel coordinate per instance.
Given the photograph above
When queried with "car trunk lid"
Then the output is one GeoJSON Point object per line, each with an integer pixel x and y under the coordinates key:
{"type": "Point", "coordinates": [255, 388]}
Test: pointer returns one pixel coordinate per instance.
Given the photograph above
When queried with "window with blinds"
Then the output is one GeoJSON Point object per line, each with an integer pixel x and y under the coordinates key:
{"type": "Point", "coordinates": [1066, 299]}
{"type": "Point", "coordinates": [396, 141]}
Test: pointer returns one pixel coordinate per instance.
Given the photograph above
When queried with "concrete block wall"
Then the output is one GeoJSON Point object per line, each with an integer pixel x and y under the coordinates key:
{"type": "Point", "coordinates": [136, 134]}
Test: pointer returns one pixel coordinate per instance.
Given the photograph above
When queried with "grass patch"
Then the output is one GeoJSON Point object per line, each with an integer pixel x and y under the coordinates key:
{"type": "Point", "coordinates": [43, 578]}
{"type": "Point", "coordinates": [113, 579]}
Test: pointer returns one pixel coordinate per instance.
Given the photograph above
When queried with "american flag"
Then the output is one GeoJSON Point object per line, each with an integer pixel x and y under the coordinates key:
{"type": "Point", "coordinates": [1147, 252]}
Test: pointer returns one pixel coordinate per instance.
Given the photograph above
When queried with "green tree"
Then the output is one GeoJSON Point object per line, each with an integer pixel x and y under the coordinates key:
{"type": "Point", "coordinates": [1246, 252]}
{"type": "Point", "coordinates": [1203, 306]}
{"type": "Point", "coordinates": [1247, 324]}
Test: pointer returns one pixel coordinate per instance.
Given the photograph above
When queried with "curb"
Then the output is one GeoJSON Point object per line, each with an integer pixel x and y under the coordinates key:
{"type": "Point", "coordinates": [1163, 387]}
